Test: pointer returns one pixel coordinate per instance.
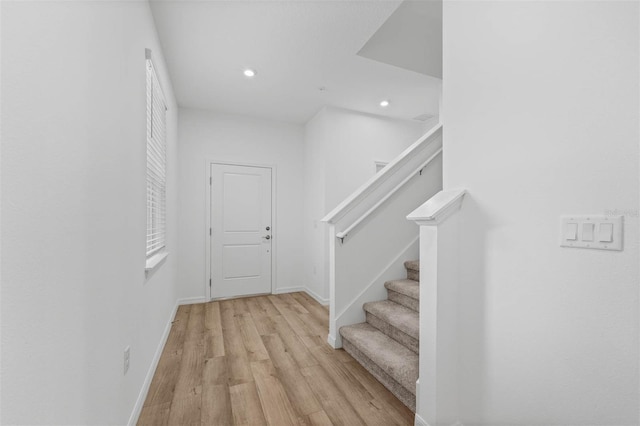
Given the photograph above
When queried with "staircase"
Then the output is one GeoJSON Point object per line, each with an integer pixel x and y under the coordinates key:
{"type": "Point", "coordinates": [387, 344]}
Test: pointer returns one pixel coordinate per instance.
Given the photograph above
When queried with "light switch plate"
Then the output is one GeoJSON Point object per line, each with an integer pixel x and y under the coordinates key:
{"type": "Point", "coordinates": [590, 229]}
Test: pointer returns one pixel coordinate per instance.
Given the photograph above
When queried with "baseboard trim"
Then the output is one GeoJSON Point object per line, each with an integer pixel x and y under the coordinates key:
{"type": "Point", "coordinates": [317, 298]}
{"type": "Point", "coordinates": [332, 341]}
{"type": "Point", "coordinates": [419, 421]}
{"type": "Point", "coordinates": [288, 290]}
{"type": "Point", "coordinates": [191, 301]}
{"type": "Point", "coordinates": [142, 396]}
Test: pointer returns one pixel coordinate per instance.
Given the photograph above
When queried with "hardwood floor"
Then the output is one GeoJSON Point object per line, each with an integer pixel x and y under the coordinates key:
{"type": "Point", "coordinates": [263, 361]}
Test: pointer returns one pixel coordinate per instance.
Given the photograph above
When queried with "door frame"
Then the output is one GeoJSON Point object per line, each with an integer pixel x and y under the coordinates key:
{"type": "Point", "coordinates": [208, 212]}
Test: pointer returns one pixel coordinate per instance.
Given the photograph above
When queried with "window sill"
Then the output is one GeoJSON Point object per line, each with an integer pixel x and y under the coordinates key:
{"type": "Point", "coordinates": [155, 261]}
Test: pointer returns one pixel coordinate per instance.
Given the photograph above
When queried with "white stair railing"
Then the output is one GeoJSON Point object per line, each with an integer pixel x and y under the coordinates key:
{"type": "Point", "coordinates": [369, 236]}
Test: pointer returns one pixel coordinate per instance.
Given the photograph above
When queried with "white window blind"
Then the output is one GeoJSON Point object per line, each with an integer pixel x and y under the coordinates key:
{"type": "Point", "coordinates": [156, 163]}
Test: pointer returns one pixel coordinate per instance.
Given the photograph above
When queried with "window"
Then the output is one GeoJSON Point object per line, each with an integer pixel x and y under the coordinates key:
{"type": "Point", "coordinates": [156, 165]}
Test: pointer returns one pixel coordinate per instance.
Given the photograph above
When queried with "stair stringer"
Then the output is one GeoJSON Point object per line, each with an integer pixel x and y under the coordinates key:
{"type": "Point", "coordinates": [374, 291]}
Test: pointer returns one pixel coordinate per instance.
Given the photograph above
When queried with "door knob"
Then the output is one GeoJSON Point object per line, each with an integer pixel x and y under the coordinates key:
{"type": "Point", "coordinates": [268, 228]}
{"type": "Point", "coordinates": [268, 237]}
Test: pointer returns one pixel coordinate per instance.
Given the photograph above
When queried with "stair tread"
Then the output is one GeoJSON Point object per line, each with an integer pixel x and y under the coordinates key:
{"type": "Point", "coordinates": [409, 288]}
{"type": "Point", "coordinates": [396, 360]}
{"type": "Point", "coordinates": [400, 317]}
{"type": "Point", "coordinates": [413, 265]}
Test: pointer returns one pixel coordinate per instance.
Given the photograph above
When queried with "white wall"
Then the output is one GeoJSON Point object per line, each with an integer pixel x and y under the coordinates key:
{"type": "Point", "coordinates": [315, 232]}
{"type": "Point", "coordinates": [74, 292]}
{"type": "Point", "coordinates": [206, 136]}
{"type": "Point", "coordinates": [341, 147]}
{"type": "Point", "coordinates": [541, 119]}
{"type": "Point", "coordinates": [354, 141]}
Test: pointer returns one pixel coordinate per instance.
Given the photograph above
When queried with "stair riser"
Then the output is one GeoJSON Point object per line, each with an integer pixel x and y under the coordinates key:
{"type": "Point", "coordinates": [413, 275]}
{"type": "Point", "coordinates": [406, 397]}
{"type": "Point", "coordinates": [391, 331]}
{"type": "Point", "coordinates": [403, 300]}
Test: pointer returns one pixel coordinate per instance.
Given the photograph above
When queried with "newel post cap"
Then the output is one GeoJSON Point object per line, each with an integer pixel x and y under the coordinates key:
{"type": "Point", "coordinates": [438, 208]}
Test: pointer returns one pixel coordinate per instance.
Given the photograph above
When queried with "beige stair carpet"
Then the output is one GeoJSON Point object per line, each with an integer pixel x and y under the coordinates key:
{"type": "Point", "coordinates": [387, 344]}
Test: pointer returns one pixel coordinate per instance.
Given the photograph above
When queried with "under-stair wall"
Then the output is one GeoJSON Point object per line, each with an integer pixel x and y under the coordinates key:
{"type": "Point", "coordinates": [369, 237]}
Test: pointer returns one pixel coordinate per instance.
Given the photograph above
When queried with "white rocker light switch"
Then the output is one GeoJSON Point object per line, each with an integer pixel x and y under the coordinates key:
{"type": "Point", "coordinates": [571, 232]}
{"type": "Point", "coordinates": [592, 232]}
{"type": "Point", "coordinates": [587, 231]}
{"type": "Point", "coordinates": [605, 233]}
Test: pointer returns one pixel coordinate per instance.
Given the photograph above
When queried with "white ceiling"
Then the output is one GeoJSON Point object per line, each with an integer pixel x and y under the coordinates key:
{"type": "Point", "coordinates": [411, 38]}
{"type": "Point", "coordinates": [296, 47]}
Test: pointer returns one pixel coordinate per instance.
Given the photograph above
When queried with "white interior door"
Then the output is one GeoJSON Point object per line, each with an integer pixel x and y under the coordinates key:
{"type": "Point", "coordinates": [241, 230]}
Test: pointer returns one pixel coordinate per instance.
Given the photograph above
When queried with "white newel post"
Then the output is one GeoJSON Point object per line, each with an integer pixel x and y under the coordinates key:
{"type": "Point", "coordinates": [437, 387]}
{"type": "Point", "coordinates": [333, 338]}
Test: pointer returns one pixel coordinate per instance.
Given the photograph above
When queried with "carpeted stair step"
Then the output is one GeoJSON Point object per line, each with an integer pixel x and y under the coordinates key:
{"type": "Point", "coordinates": [396, 321]}
{"type": "Point", "coordinates": [394, 365]}
{"type": "Point", "coordinates": [404, 292]}
{"type": "Point", "coordinates": [413, 269]}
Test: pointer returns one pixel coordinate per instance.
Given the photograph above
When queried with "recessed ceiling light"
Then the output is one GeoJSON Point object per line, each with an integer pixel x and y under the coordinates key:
{"type": "Point", "coordinates": [249, 73]}
{"type": "Point", "coordinates": [384, 103]}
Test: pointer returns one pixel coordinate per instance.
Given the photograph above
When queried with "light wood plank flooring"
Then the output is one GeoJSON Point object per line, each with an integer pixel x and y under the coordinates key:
{"type": "Point", "coordinates": [263, 361]}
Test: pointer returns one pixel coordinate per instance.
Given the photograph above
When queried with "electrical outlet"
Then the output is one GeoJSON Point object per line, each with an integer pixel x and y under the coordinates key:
{"type": "Point", "coordinates": [127, 357]}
